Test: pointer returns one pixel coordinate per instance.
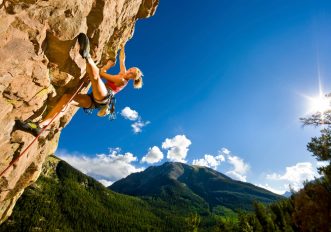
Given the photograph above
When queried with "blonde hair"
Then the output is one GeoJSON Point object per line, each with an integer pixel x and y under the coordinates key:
{"type": "Point", "coordinates": [138, 81]}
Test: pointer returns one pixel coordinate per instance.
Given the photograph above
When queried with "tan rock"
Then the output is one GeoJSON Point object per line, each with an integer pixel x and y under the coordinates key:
{"type": "Point", "coordinates": [39, 62]}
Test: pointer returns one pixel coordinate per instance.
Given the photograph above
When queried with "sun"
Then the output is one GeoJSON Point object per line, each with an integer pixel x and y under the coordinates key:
{"type": "Point", "coordinates": [319, 104]}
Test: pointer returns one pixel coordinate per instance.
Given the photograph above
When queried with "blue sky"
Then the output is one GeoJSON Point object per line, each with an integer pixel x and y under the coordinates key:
{"type": "Point", "coordinates": [227, 78]}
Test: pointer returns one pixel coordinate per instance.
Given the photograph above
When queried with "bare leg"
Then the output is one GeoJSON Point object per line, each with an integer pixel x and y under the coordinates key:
{"type": "Point", "coordinates": [80, 100]}
{"type": "Point", "coordinates": [99, 88]}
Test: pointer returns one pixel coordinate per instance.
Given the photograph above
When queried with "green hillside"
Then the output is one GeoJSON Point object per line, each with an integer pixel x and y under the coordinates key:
{"type": "Point", "coordinates": [200, 187]}
{"type": "Point", "coordinates": [63, 199]}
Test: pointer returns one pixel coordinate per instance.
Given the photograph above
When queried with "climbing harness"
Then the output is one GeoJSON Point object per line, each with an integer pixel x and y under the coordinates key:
{"type": "Point", "coordinates": [41, 131]}
{"type": "Point", "coordinates": [112, 112]}
{"type": "Point", "coordinates": [106, 108]}
{"type": "Point", "coordinates": [110, 108]}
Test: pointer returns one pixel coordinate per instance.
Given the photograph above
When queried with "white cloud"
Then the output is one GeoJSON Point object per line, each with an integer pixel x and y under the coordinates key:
{"type": "Point", "coordinates": [133, 115]}
{"type": "Point", "coordinates": [114, 150]}
{"type": "Point", "coordinates": [138, 125]}
{"type": "Point", "coordinates": [294, 175]}
{"type": "Point", "coordinates": [177, 148]}
{"type": "Point", "coordinates": [130, 114]}
{"type": "Point", "coordinates": [201, 162]}
{"type": "Point", "coordinates": [154, 155]}
{"type": "Point", "coordinates": [321, 164]}
{"type": "Point", "coordinates": [106, 183]}
{"type": "Point", "coordinates": [209, 161]}
{"type": "Point", "coordinates": [236, 176]}
{"type": "Point", "coordinates": [111, 167]}
{"type": "Point", "coordinates": [271, 189]}
{"type": "Point", "coordinates": [240, 168]}
{"type": "Point", "coordinates": [225, 151]}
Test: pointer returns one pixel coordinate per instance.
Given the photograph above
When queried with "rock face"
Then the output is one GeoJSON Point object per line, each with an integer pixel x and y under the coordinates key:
{"type": "Point", "coordinates": [39, 62]}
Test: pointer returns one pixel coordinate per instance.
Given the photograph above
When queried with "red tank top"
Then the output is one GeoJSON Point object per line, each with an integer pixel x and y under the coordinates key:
{"type": "Point", "coordinates": [111, 85]}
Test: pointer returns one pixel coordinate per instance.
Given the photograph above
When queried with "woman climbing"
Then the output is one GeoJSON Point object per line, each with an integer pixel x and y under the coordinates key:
{"type": "Point", "coordinates": [102, 92]}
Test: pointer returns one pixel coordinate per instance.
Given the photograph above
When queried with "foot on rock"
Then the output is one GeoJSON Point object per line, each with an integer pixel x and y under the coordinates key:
{"type": "Point", "coordinates": [84, 44]}
{"type": "Point", "coordinates": [30, 127]}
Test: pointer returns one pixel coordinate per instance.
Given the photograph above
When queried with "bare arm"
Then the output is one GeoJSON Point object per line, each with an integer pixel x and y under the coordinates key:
{"type": "Point", "coordinates": [109, 64]}
{"type": "Point", "coordinates": [104, 69]}
{"type": "Point", "coordinates": [117, 79]}
{"type": "Point", "coordinates": [122, 60]}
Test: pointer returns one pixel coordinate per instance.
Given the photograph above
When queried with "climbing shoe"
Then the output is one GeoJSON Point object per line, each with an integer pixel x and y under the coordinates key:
{"type": "Point", "coordinates": [31, 127]}
{"type": "Point", "coordinates": [84, 44]}
{"type": "Point", "coordinates": [104, 111]}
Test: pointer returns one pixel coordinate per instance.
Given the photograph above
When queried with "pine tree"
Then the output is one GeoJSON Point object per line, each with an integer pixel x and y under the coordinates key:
{"type": "Point", "coordinates": [312, 204]}
{"type": "Point", "coordinates": [193, 222]}
{"type": "Point", "coordinates": [264, 217]}
{"type": "Point", "coordinates": [321, 146]}
{"type": "Point", "coordinates": [321, 149]}
{"type": "Point", "coordinates": [243, 224]}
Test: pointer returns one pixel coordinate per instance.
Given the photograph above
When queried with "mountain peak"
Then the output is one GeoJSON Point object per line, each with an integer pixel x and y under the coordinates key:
{"type": "Point", "coordinates": [197, 184]}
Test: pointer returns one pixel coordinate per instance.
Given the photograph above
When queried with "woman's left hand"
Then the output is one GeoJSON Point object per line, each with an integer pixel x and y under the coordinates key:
{"type": "Point", "coordinates": [109, 64]}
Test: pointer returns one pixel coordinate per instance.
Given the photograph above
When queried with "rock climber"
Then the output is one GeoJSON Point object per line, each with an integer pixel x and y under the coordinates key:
{"type": "Point", "coordinates": [102, 92]}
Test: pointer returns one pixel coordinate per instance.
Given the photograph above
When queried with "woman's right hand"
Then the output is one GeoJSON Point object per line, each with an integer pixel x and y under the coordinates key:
{"type": "Point", "coordinates": [110, 64]}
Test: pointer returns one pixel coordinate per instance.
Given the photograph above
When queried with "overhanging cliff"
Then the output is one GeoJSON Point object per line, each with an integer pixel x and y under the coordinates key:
{"type": "Point", "coordinates": [40, 61]}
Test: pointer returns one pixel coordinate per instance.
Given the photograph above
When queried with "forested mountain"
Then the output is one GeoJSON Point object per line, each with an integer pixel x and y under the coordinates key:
{"type": "Point", "coordinates": [194, 185]}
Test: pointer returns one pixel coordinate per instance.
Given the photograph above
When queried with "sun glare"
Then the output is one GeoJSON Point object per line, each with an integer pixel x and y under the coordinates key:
{"type": "Point", "coordinates": [319, 104]}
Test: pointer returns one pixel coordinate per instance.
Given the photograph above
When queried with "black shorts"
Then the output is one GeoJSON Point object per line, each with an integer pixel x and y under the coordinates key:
{"type": "Point", "coordinates": [96, 104]}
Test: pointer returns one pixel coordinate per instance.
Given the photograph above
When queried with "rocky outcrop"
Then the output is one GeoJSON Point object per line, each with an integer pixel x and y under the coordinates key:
{"type": "Point", "coordinates": [39, 62]}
